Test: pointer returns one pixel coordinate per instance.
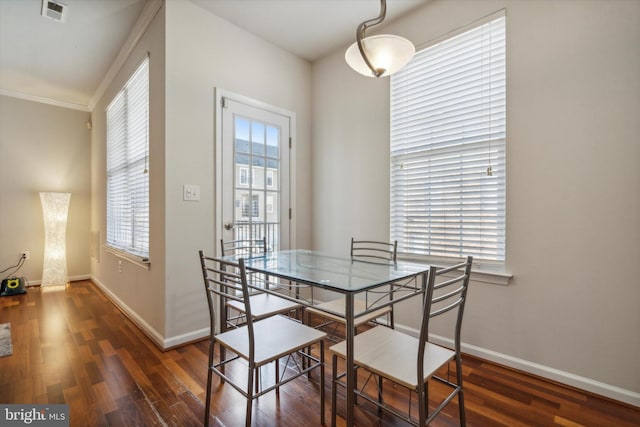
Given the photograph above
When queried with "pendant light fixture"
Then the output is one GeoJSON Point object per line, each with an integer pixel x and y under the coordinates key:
{"type": "Point", "coordinates": [380, 55]}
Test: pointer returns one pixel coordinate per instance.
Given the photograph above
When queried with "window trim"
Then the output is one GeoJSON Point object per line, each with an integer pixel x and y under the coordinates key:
{"type": "Point", "coordinates": [133, 259]}
{"type": "Point", "coordinates": [482, 271]}
{"type": "Point", "coordinates": [129, 253]}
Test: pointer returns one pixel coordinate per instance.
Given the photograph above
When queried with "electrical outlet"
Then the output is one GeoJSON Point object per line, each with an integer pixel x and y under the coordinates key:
{"type": "Point", "coordinates": [26, 255]}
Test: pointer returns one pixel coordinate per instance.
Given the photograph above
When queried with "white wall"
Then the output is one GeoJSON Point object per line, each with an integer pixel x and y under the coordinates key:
{"type": "Point", "coordinates": [138, 291]}
{"type": "Point", "coordinates": [191, 53]}
{"type": "Point", "coordinates": [570, 311]}
{"type": "Point", "coordinates": [205, 52]}
{"type": "Point", "coordinates": [42, 148]}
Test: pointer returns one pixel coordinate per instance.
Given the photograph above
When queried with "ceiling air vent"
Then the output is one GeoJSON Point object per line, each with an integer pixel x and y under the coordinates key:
{"type": "Point", "coordinates": [54, 10]}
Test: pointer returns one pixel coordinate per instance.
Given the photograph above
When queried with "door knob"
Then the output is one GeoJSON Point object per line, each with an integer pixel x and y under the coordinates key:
{"type": "Point", "coordinates": [228, 226]}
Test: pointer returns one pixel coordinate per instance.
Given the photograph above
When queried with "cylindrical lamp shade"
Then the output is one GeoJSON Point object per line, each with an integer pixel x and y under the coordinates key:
{"type": "Point", "coordinates": [385, 51]}
{"type": "Point", "coordinates": [55, 207]}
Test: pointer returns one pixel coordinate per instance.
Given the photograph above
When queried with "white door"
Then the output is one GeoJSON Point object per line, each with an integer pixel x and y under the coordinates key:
{"type": "Point", "coordinates": [253, 187]}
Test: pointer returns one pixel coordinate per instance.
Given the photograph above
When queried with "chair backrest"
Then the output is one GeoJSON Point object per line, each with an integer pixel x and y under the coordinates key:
{"type": "Point", "coordinates": [244, 247]}
{"type": "Point", "coordinates": [226, 280]}
{"type": "Point", "coordinates": [373, 251]}
{"type": "Point", "coordinates": [446, 291]}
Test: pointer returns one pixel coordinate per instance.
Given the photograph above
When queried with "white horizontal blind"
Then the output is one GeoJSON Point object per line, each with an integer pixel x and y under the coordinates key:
{"type": "Point", "coordinates": [127, 162]}
{"type": "Point", "coordinates": [448, 147]}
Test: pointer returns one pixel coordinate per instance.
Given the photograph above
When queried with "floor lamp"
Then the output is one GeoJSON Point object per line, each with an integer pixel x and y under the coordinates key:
{"type": "Point", "coordinates": [55, 207]}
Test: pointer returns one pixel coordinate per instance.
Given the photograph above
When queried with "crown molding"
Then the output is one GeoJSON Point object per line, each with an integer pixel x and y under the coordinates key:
{"type": "Point", "coordinates": [44, 100]}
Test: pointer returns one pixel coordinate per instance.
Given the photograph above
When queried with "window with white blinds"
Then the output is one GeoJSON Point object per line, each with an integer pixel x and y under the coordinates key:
{"type": "Point", "coordinates": [127, 166]}
{"type": "Point", "coordinates": [448, 147]}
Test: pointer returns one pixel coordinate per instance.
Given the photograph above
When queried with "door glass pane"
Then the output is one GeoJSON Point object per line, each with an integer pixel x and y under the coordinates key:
{"type": "Point", "coordinates": [257, 188]}
{"type": "Point", "coordinates": [271, 208]}
{"type": "Point", "coordinates": [273, 139]}
{"type": "Point", "coordinates": [257, 138]}
{"type": "Point", "coordinates": [242, 135]}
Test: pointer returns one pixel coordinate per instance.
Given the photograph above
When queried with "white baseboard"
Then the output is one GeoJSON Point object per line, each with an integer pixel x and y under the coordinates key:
{"type": "Point", "coordinates": [147, 329]}
{"type": "Point", "coordinates": [162, 342]}
{"type": "Point", "coordinates": [71, 279]}
{"type": "Point", "coordinates": [583, 383]}
{"type": "Point", "coordinates": [186, 338]}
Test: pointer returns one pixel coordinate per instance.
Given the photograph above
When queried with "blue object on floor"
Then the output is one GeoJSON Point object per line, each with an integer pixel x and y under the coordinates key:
{"type": "Point", "coordinates": [12, 286]}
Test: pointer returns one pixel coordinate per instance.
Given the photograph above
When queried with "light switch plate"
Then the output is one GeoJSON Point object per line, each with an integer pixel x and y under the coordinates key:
{"type": "Point", "coordinates": [191, 192]}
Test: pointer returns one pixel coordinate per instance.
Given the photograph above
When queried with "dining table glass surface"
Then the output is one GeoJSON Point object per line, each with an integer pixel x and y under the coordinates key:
{"type": "Point", "coordinates": [337, 273]}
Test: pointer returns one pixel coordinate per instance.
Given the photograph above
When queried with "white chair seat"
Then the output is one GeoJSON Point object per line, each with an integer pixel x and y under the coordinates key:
{"type": "Point", "coordinates": [257, 342]}
{"type": "Point", "coordinates": [275, 337]}
{"type": "Point", "coordinates": [398, 357]}
{"type": "Point", "coordinates": [336, 308]}
{"type": "Point", "coordinates": [265, 305]}
{"type": "Point", "coordinates": [393, 355]}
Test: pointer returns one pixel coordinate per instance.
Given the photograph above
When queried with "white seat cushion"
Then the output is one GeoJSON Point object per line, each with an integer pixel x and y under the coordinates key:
{"type": "Point", "coordinates": [393, 355]}
{"type": "Point", "coordinates": [265, 305]}
{"type": "Point", "coordinates": [337, 308]}
{"type": "Point", "coordinates": [275, 337]}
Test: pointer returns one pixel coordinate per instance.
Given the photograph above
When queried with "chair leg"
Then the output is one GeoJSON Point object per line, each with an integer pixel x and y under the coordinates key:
{"type": "Point", "coordinates": [306, 320]}
{"type": "Point", "coordinates": [380, 395]}
{"type": "Point", "coordinates": [223, 355]}
{"type": "Point", "coordinates": [250, 395]}
{"type": "Point", "coordinates": [322, 421]}
{"type": "Point", "coordinates": [334, 380]}
{"type": "Point", "coordinates": [207, 405]}
{"type": "Point", "coordinates": [278, 377]}
{"type": "Point", "coordinates": [463, 418]}
{"type": "Point", "coordinates": [423, 403]}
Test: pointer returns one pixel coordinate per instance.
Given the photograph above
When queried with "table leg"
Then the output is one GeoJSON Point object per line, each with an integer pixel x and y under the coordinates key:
{"type": "Point", "coordinates": [351, 375]}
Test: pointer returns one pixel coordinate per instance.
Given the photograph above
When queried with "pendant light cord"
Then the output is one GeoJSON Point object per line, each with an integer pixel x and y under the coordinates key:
{"type": "Point", "coordinates": [360, 34]}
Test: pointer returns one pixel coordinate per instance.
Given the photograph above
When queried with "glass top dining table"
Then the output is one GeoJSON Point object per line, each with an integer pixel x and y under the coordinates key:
{"type": "Point", "coordinates": [348, 277]}
{"type": "Point", "coordinates": [339, 274]}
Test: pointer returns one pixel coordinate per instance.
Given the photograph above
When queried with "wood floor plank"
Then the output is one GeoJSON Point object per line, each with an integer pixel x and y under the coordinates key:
{"type": "Point", "coordinates": [73, 346]}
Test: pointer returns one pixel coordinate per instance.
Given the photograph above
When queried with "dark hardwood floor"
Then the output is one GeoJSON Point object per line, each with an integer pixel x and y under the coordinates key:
{"type": "Point", "coordinates": [73, 346]}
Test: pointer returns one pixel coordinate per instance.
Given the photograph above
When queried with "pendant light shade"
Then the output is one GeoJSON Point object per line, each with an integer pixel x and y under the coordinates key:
{"type": "Point", "coordinates": [386, 53]}
{"type": "Point", "coordinates": [379, 55]}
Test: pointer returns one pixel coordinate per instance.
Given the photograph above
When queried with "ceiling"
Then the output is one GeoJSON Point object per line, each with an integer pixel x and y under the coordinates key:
{"type": "Point", "coordinates": [66, 63]}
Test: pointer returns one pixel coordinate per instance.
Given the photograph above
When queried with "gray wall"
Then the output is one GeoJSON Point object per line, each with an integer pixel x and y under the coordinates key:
{"type": "Point", "coordinates": [573, 181]}
{"type": "Point", "coordinates": [205, 52]}
{"type": "Point", "coordinates": [570, 312]}
{"type": "Point", "coordinates": [192, 52]}
{"type": "Point", "coordinates": [42, 148]}
{"type": "Point", "coordinates": [139, 291]}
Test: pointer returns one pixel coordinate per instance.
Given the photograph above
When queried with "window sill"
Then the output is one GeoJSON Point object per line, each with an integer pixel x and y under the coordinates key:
{"type": "Point", "coordinates": [480, 272]}
{"type": "Point", "coordinates": [133, 259]}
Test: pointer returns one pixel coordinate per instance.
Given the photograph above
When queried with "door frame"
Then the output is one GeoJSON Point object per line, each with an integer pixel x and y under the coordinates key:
{"type": "Point", "coordinates": [219, 94]}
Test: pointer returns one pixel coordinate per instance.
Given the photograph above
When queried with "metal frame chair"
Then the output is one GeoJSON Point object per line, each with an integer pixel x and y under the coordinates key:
{"type": "Point", "coordinates": [246, 247]}
{"type": "Point", "coordinates": [408, 361]}
{"type": "Point", "coordinates": [264, 304]}
{"type": "Point", "coordinates": [374, 251]}
{"type": "Point", "coordinates": [257, 342]}
{"type": "Point", "coordinates": [361, 251]}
